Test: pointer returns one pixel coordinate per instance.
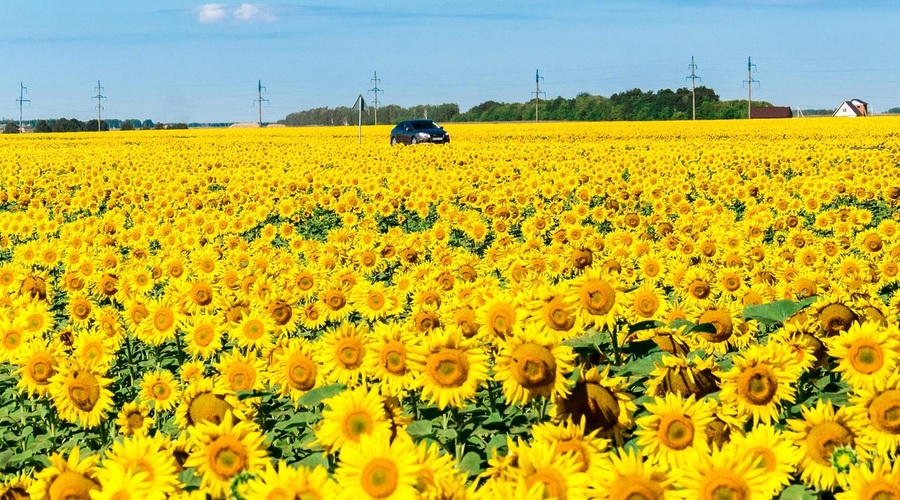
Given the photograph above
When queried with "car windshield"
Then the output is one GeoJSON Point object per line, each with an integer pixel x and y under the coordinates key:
{"type": "Point", "coordinates": [423, 124]}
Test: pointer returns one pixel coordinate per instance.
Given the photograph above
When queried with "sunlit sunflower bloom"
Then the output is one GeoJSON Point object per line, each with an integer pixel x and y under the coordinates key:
{"type": "Point", "coordinates": [559, 473]}
{"type": "Point", "coordinates": [499, 316]}
{"type": "Point", "coordinates": [143, 453]}
{"type": "Point", "coordinates": [196, 295]}
{"type": "Point", "coordinates": [191, 371]}
{"type": "Point", "coordinates": [867, 354]}
{"type": "Point", "coordinates": [626, 475]}
{"type": "Point", "coordinates": [14, 339]}
{"type": "Point", "coordinates": [554, 310]}
{"type": "Point", "coordinates": [344, 354]}
{"type": "Point", "coordinates": [674, 433]}
{"type": "Point", "coordinates": [683, 376]}
{"type": "Point", "coordinates": [760, 382]}
{"type": "Point", "coordinates": [877, 410]}
{"type": "Point", "coordinates": [335, 302]}
{"type": "Point", "coordinates": [137, 281]}
{"type": "Point", "coordinates": [722, 474]}
{"type": "Point", "coordinates": [80, 309]}
{"type": "Point", "coordinates": [645, 303]}
{"type": "Point", "coordinates": [286, 482]}
{"type": "Point", "coordinates": [255, 329]}
{"type": "Point", "coordinates": [511, 488]}
{"type": "Point", "coordinates": [391, 347]}
{"type": "Point", "coordinates": [119, 482]}
{"type": "Point", "coordinates": [160, 389]}
{"type": "Point", "coordinates": [35, 317]}
{"type": "Point", "coordinates": [224, 451]}
{"type": "Point", "coordinates": [71, 478]}
{"type": "Point", "coordinates": [161, 322]}
{"type": "Point", "coordinates": [378, 469]}
{"type": "Point", "coordinates": [241, 372]}
{"type": "Point", "coordinates": [695, 287]}
{"type": "Point", "coordinates": [134, 418]}
{"type": "Point", "coordinates": [202, 334]}
{"type": "Point", "coordinates": [872, 481]}
{"type": "Point", "coordinates": [93, 349]}
{"type": "Point", "coordinates": [10, 277]}
{"type": "Point", "coordinates": [283, 312]}
{"type": "Point", "coordinates": [531, 364]}
{"type": "Point", "coordinates": [15, 487]}
{"type": "Point", "coordinates": [80, 395]}
{"type": "Point", "coordinates": [651, 268]}
{"type": "Point", "coordinates": [570, 438]}
{"type": "Point", "coordinates": [601, 401]}
{"type": "Point", "coordinates": [136, 313]}
{"type": "Point", "coordinates": [312, 315]}
{"type": "Point", "coordinates": [372, 300]}
{"type": "Point", "coordinates": [294, 370]}
{"type": "Point", "coordinates": [449, 368]}
{"type": "Point", "coordinates": [37, 363]}
{"type": "Point", "coordinates": [818, 434]}
{"type": "Point", "coordinates": [776, 456]}
{"type": "Point", "coordinates": [350, 415]}
{"type": "Point", "coordinates": [203, 401]}
{"type": "Point", "coordinates": [438, 476]}
{"type": "Point", "coordinates": [599, 299]}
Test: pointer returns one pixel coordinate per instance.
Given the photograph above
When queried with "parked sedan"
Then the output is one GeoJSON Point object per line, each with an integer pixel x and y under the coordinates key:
{"type": "Point", "coordinates": [418, 131]}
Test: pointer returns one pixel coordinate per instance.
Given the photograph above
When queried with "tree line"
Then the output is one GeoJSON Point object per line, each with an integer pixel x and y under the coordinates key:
{"type": "Point", "coordinates": [343, 115]}
{"type": "Point", "coordinates": [76, 125]}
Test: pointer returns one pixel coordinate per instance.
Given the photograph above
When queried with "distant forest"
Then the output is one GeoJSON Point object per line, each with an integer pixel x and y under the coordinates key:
{"type": "Point", "coordinates": [634, 105]}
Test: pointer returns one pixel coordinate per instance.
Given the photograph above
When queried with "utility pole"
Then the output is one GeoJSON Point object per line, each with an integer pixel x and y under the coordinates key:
{"type": "Point", "coordinates": [259, 100]}
{"type": "Point", "coordinates": [694, 79]}
{"type": "Point", "coordinates": [376, 90]}
{"type": "Point", "coordinates": [537, 92]}
{"type": "Point", "coordinates": [750, 81]}
{"type": "Point", "coordinates": [21, 100]}
{"type": "Point", "coordinates": [99, 98]}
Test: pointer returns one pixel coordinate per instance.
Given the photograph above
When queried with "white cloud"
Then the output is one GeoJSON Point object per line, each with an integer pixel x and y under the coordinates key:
{"type": "Point", "coordinates": [251, 12]}
{"type": "Point", "coordinates": [212, 13]}
{"type": "Point", "coordinates": [244, 13]}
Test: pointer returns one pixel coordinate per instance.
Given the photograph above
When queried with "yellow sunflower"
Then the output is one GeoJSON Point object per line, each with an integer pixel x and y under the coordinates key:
{"type": "Point", "coordinates": [449, 368]}
{"type": "Point", "coordinates": [203, 335]}
{"type": "Point", "coordinates": [876, 409]}
{"type": "Point", "coordinates": [350, 415]}
{"type": "Point", "coordinates": [161, 322]}
{"type": "Point", "coordinates": [80, 395]}
{"type": "Point", "coordinates": [223, 451]}
{"type": "Point", "coordinates": [37, 364]}
{"type": "Point", "coordinates": [372, 300]}
{"type": "Point", "coordinates": [722, 474]}
{"type": "Point", "coordinates": [625, 475]}
{"type": "Point", "coordinates": [554, 310]}
{"type": "Point", "coordinates": [760, 382]}
{"type": "Point", "coordinates": [203, 401]}
{"type": "Point", "coordinates": [294, 370]}
{"type": "Point", "coordinates": [872, 481]}
{"type": "Point", "coordinates": [683, 376]}
{"type": "Point", "coordinates": [531, 364]}
{"type": "Point", "coordinates": [255, 329]}
{"type": "Point", "coordinates": [499, 316]}
{"type": "Point", "coordinates": [867, 354]}
{"type": "Point", "coordinates": [14, 339]}
{"type": "Point", "coordinates": [570, 438]}
{"type": "Point", "coordinates": [601, 402]}
{"type": "Point", "coordinates": [559, 474]}
{"type": "Point", "coordinates": [378, 469]}
{"type": "Point", "coordinates": [134, 418]}
{"type": "Point", "coordinates": [674, 433]}
{"type": "Point", "coordinates": [72, 478]}
{"type": "Point", "coordinates": [598, 298]}
{"type": "Point", "coordinates": [143, 453]}
{"type": "Point", "coordinates": [15, 487]}
{"type": "Point", "coordinates": [119, 482]}
{"type": "Point", "coordinates": [775, 455]}
{"type": "Point", "coordinates": [35, 317]}
{"type": "Point", "coordinates": [160, 388]}
{"type": "Point", "coordinates": [241, 372]}
{"type": "Point", "coordinates": [344, 354]}
{"type": "Point", "coordinates": [392, 347]}
{"type": "Point", "coordinates": [286, 482]}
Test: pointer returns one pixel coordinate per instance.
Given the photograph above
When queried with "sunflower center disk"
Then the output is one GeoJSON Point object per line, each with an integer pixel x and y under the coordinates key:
{"type": "Point", "coordinates": [823, 438]}
{"type": "Point", "coordinates": [676, 432]}
{"type": "Point", "coordinates": [380, 478]}
{"type": "Point", "coordinates": [884, 412]}
{"type": "Point", "coordinates": [349, 353]}
{"type": "Point", "coordinates": [725, 488]}
{"type": "Point", "coordinates": [302, 373]}
{"type": "Point", "coordinates": [208, 407]}
{"type": "Point", "coordinates": [866, 357]}
{"type": "Point", "coordinates": [758, 385]}
{"type": "Point", "coordinates": [448, 368]}
{"type": "Point", "coordinates": [534, 366]}
{"type": "Point", "coordinates": [84, 390]}
{"type": "Point", "coordinates": [227, 456]}
{"type": "Point", "coordinates": [393, 358]}
{"type": "Point", "coordinates": [72, 486]}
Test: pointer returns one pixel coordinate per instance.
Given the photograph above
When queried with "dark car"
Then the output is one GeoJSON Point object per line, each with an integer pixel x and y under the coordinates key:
{"type": "Point", "coordinates": [419, 131]}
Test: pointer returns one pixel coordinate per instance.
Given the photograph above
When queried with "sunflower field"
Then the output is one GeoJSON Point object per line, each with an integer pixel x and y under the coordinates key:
{"type": "Point", "coordinates": [695, 310]}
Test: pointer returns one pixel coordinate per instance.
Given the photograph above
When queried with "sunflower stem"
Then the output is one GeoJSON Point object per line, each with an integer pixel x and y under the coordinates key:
{"type": "Point", "coordinates": [180, 350]}
{"type": "Point", "coordinates": [130, 357]}
{"type": "Point", "coordinates": [614, 337]}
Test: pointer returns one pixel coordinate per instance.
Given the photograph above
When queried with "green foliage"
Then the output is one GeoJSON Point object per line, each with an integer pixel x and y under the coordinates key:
{"type": "Point", "coordinates": [11, 127]}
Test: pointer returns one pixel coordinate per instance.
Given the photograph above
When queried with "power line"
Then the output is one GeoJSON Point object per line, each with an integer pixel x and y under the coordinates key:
{"type": "Point", "coordinates": [750, 81]}
{"type": "Point", "coordinates": [99, 98]}
{"type": "Point", "coordinates": [537, 92]}
{"type": "Point", "coordinates": [376, 90]}
{"type": "Point", "coordinates": [21, 100]}
{"type": "Point", "coordinates": [694, 79]}
{"type": "Point", "coordinates": [259, 100]}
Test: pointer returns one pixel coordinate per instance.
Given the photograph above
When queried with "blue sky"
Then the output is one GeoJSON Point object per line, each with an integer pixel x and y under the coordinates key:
{"type": "Point", "coordinates": [171, 61]}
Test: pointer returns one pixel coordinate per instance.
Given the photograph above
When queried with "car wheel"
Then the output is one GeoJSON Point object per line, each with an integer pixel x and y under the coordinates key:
{"type": "Point", "coordinates": [393, 141]}
{"type": "Point", "coordinates": [413, 141]}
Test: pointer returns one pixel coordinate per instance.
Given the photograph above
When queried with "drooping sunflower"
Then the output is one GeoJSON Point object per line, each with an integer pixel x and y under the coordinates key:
{"type": "Point", "coordinates": [147, 454]}
{"type": "Point", "coordinates": [80, 395]}
{"type": "Point", "coordinates": [833, 313]}
{"type": "Point", "coordinates": [202, 334]}
{"type": "Point", "coordinates": [72, 478]}
{"type": "Point", "coordinates": [775, 455]}
{"type": "Point", "coordinates": [286, 482]}
{"type": "Point", "coordinates": [344, 354]}
{"type": "Point", "coordinates": [674, 433]}
{"type": "Point", "coordinates": [204, 401]}
{"type": "Point", "coordinates": [625, 475]}
{"type": "Point", "coordinates": [683, 376]}
{"type": "Point", "coordinates": [726, 318]}
{"type": "Point", "coordinates": [819, 432]}
{"type": "Point", "coordinates": [449, 368]}
{"type": "Point", "coordinates": [378, 469]}
{"type": "Point", "coordinates": [721, 474]}
{"type": "Point", "coordinates": [392, 347]}
{"type": "Point", "coordinates": [224, 451]}
{"type": "Point", "coordinates": [349, 416]}
{"type": "Point", "coordinates": [134, 418]}
{"type": "Point", "coordinates": [16, 487]}
{"type": "Point", "coordinates": [601, 401]}
{"type": "Point", "coordinates": [159, 388]}
{"type": "Point", "coordinates": [867, 354]}
{"type": "Point", "coordinates": [873, 481]}
{"type": "Point", "coordinates": [294, 370]}
{"type": "Point", "coordinates": [530, 364]}
{"type": "Point", "coordinates": [760, 382]}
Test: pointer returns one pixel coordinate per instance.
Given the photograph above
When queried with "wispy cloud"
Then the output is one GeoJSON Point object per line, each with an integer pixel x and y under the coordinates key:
{"type": "Point", "coordinates": [212, 13]}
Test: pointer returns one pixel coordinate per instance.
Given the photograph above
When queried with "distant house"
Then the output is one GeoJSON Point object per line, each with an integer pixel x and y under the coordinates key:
{"type": "Point", "coordinates": [852, 108]}
{"type": "Point", "coordinates": [771, 112]}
